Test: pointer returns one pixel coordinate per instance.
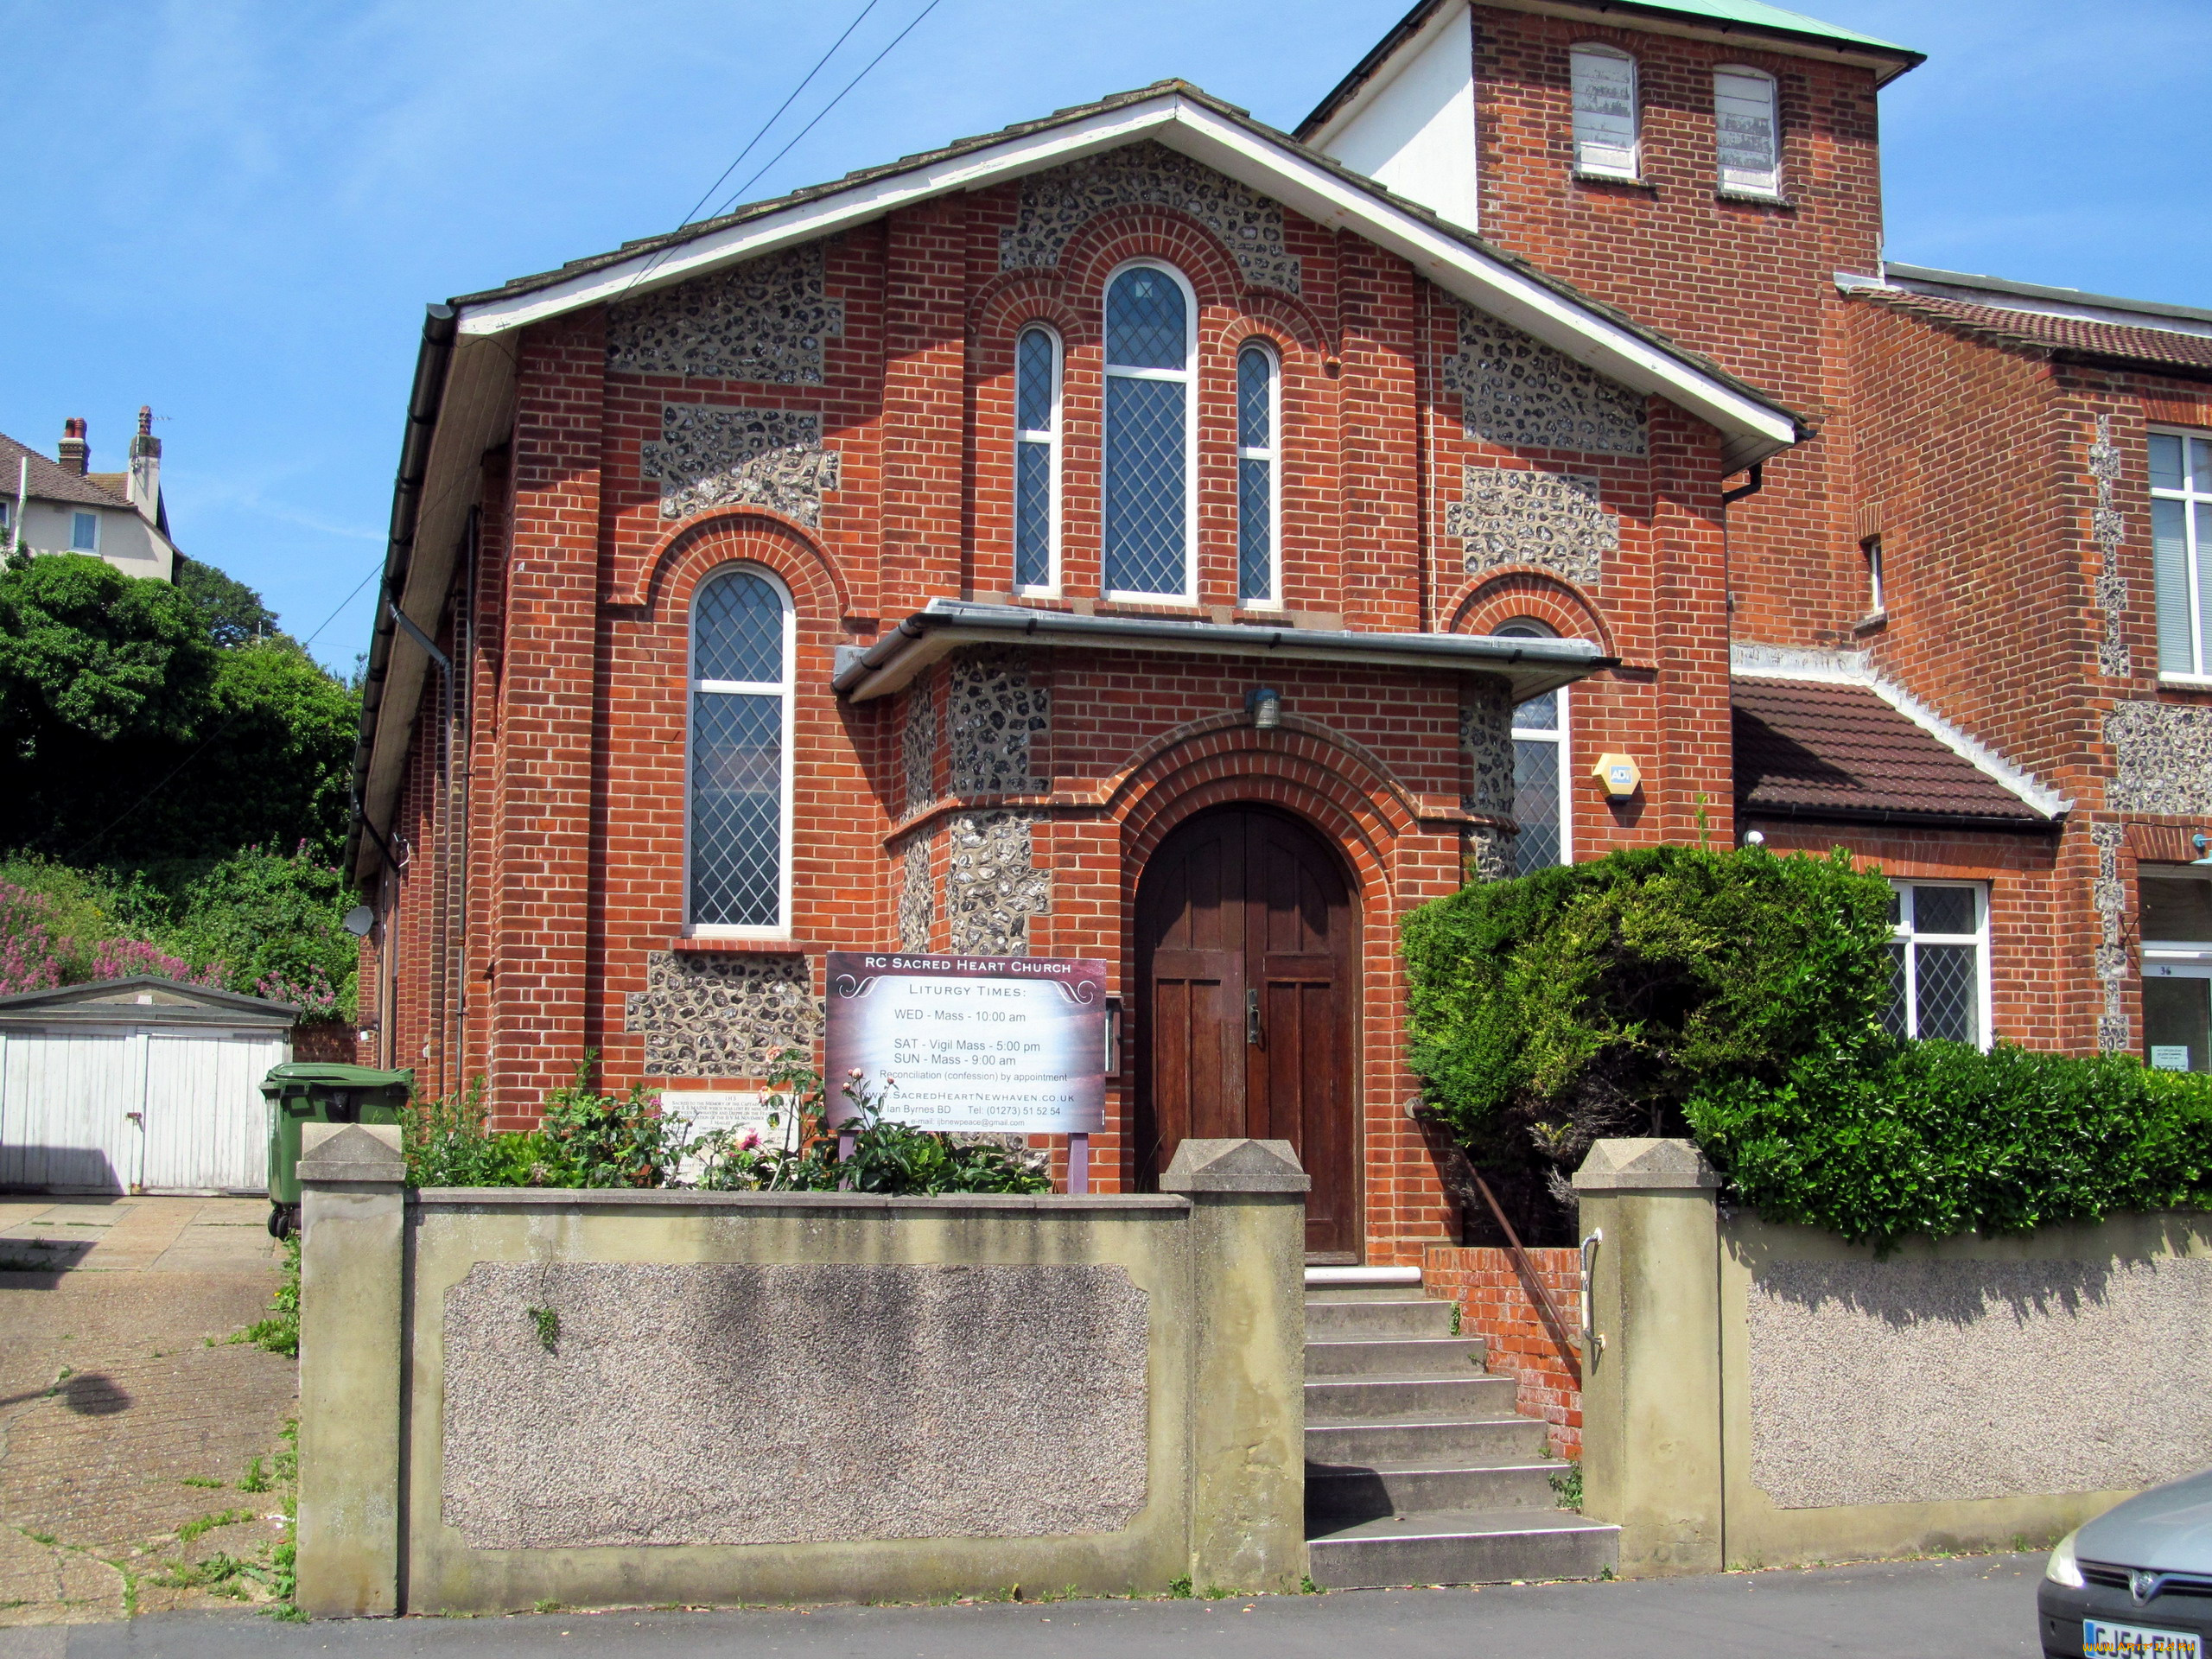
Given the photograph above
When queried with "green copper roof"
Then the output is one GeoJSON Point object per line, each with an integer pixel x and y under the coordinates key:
{"type": "Point", "coordinates": [1762, 16]}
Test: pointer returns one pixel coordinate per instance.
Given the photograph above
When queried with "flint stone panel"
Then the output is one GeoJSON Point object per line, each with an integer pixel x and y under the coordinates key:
{"type": "Point", "coordinates": [804, 1403]}
{"type": "Point", "coordinates": [721, 1016]}
{"type": "Point", "coordinates": [2162, 757]}
{"type": "Point", "coordinates": [1911, 1382]}
{"type": "Point", "coordinates": [1486, 735]}
{"type": "Point", "coordinates": [993, 887]}
{"type": "Point", "coordinates": [919, 743]}
{"type": "Point", "coordinates": [709, 457]}
{"type": "Point", "coordinates": [917, 900]}
{"type": "Point", "coordinates": [764, 320]}
{"type": "Point", "coordinates": [1553, 521]}
{"type": "Point", "coordinates": [992, 712]}
{"type": "Point", "coordinates": [1060, 201]}
{"type": "Point", "coordinates": [1518, 391]}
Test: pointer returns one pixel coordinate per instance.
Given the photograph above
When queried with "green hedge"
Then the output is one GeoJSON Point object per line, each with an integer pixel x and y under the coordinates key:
{"type": "Point", "coordinates": [1736, 997]}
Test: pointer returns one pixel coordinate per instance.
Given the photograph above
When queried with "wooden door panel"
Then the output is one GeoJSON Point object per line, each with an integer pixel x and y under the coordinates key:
{"type": "Point", "coordinates": [1242, 897]}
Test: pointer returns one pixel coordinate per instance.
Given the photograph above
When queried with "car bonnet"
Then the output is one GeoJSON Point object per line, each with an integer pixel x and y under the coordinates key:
{"type": "Point", "coordinates": [2167, 1528]}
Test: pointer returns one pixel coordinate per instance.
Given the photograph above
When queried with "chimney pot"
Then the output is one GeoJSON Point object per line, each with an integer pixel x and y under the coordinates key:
{"type": "Point", "coordinates": [74, 453]}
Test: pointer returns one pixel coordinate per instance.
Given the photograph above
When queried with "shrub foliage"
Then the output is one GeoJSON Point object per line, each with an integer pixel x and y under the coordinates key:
{"type": "Point", "coordinates": [1736, 997]}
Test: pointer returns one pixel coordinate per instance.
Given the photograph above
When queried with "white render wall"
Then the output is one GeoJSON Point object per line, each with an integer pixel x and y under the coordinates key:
{"type": "Point", "coordinates": [127, 541]}
{"type": "Point", "coordinates": [1414, 130]}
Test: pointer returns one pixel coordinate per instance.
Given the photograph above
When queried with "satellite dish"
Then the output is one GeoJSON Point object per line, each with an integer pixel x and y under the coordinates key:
{"type": "Point", "coordinates": [359, 920]}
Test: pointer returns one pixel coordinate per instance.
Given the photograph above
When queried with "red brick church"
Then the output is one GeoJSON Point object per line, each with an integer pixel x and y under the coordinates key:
{"type": "Point", "coordinates": [1144, 534]}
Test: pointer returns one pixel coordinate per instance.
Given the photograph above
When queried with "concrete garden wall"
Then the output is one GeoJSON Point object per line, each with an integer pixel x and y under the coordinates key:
{"type": "Point", "coordinates": [1766, 1396]}
{"type": "Point", "coordinates": [511, 1395]}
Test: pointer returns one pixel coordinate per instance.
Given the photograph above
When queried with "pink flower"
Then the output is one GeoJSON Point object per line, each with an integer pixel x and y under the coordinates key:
{"type": "Point", "coordinates": [746, 1142]}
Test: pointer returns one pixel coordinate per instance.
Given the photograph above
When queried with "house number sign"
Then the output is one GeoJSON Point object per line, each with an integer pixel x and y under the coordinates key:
{"type": "Point", "coordinates": [1007, 1045]}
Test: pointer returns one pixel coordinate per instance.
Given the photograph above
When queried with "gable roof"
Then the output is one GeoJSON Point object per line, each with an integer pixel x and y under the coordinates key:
{"type": "Point", "coordinates": [51, 481]}
{"type": "Point", "coordinates": [464, 382]}
{"type": "Point", "coordinates": [1753, 22]}
{"type": "Point", "coordinates": [144, 1000]}
{"type": "Point", "coordinates": [1823, 750]}
{"type": "Point", "coordinates": [2060, 338]}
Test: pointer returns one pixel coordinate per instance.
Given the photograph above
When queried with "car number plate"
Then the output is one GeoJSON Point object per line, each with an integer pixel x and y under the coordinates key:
{"type": "Point", "coordinates": [2103, 1641]}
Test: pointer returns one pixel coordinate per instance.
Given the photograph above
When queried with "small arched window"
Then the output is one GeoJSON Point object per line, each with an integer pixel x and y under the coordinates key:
{"type": "Point", "coordinates": [1747, 132]}
{"type": "Point", "coordinates": [1150, 470]}
{"type": "Point", "coordinates": [1258, 420]}
{"type": "Point", "coordinates": [739, 822]}
{"type": "Point", "coordinates": [1037, 461]}
{"type": "Point", "coordinates": [1540, 768]}
{"type": "Point", "coordinates": [1604, 112]}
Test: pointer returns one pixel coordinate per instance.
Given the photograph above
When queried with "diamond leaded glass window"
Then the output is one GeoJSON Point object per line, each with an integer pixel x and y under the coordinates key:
{"type": "Point", "coordinates": [741, 703]}
{"type": "Point", "coordinates": [1146, 493]}
{"type": "Point", "coordinates": [1036, 457]}
{"type": "Point", "coordinates": [1539, 768]}
{"type": "Point", "coordinates": [1937, 962]}
{"type": "Point", "coordinates": [1255, 475]}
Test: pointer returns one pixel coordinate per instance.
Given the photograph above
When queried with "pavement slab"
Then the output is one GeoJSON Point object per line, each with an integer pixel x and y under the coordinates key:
{"type": "Point", "coordinates": [1968, 1608]}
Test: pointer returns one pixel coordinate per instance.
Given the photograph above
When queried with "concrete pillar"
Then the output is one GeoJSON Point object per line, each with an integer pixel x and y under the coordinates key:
{"type": "Point", "coordinates": [1248, 1383]}
{"type": "Point", "coordinates": [1651, 1436]}
{"type": "Point", "coordinates": [352, 1214]}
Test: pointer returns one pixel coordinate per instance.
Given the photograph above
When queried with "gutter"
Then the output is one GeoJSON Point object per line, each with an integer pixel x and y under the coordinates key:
{"type": "Point", "coordinates": [1749, 810]}
{"type": "Point", "coordinates": [440, 325]}
{"type": "Point", "coordinates": [1533, 666]}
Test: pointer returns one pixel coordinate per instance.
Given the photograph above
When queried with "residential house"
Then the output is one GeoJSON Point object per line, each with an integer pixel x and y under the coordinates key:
{"type": "Point", "coordinates": [64, 507]}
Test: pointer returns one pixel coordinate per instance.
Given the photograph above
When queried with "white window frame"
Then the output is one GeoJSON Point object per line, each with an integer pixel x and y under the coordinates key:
{"type": "Point", "coordinates": [1272, 453]}
{"type": "Point", "coordinates": [781, 927]}
{"type": "Point", "coordinates": [2179, 952]}
{"type": "Point", "coordinates": [1907, 934]}
{"type": "Point", "coordinates": [77, 522]}
{"type": "Point", "coordinates": [1050, 440]}
{"type": "Point", "coordinates": [1746, 184]}
{"type": "Point", "coordinates": [1872, 547]}
{"type": "Point", "coordinates": [2196, 557]}
{"type": "Point", "coordinates": [1188, 375]}
{"type": "Point", "coordinates": [1584, 166]}
{"type": "Point", "coordinates": [1562, 737]}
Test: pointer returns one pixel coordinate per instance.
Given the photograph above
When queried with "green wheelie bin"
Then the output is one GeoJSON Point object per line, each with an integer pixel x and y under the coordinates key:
{"type": "Point", "coordinates": [318, 1091]}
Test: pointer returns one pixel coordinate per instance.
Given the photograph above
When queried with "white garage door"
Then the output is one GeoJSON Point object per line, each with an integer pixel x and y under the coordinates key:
{"type": "Point", "coordinates": [160, 1111]}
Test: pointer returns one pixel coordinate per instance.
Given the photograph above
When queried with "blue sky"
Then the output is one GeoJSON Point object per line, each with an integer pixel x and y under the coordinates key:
{"type": "Point", "coordinates": [234, 210]}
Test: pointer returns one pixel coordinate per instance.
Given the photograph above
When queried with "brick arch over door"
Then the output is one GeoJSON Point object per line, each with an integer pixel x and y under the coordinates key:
{"type": "Point", "coordinates": [1246, 1015]}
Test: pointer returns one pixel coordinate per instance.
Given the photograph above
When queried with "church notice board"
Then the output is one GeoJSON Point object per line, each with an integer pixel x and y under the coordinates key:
{"type": "Point", "coordinates": [1007, 1045]}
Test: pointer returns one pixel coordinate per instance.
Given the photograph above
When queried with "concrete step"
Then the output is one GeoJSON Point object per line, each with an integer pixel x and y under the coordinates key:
{"type": "Point", "coordinates": [1338, 1496]}
{"type": "Point", "coordinates": [1476, 1546]}
{"type": "Point", "coordinates": [1366, 1294]}
{"type": "Point", "coordinates": [1402, 1356]}
{"type": "Point", "coordinates": [1371, 1320]}
{"type": "Point", "coordinates": [1483, 1441]}
{"type": "Point", "coordinates": [1425, 1398]}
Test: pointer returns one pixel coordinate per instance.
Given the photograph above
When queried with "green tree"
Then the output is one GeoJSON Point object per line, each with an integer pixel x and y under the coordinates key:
{"type": "Point", "coordinates": [126, 737]}
{"type": "Point", "coordinates": [232, 612]}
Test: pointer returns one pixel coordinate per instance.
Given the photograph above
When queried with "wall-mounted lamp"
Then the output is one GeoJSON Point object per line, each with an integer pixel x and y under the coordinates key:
{"type": "Point", "coordinates": [1619, 774]}
{"type": "Point", "coordinates": [1754, 837]}
{"type": "Point", "coordinates": [1267, 707]}
{"type": "Point", "coordinates": [2203, 848]}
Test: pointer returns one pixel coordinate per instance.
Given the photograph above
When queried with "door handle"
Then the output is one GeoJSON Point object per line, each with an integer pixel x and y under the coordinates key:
{"type": "Point", "coordinates": [1252, 1018]}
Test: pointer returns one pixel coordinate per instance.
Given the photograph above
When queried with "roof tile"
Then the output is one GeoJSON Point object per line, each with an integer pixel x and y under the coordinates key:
{"type": "Point", "coordinates": [2049, 332]}
{"type": "Point", "coordinates": [1819, 750]}
{"type": "Point", "coordinates": [48, 480]}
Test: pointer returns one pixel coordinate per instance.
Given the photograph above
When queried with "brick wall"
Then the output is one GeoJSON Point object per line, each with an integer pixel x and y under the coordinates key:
{"type": "Point", "coordinates": [1494, 1305]}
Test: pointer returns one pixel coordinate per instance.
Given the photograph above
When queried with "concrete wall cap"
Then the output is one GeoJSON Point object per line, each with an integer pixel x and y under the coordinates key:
{"type": "Point", "coordinates": [685, 1197]}
{"type": "Point", "coordinates": [1645, 1165]}
{"type": "Point", "coordinates": [354, 1153]}
{"type": "Point", "coordinates": [1235, 1166]}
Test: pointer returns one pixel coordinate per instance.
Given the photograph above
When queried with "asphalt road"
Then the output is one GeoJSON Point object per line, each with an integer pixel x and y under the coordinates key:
{"type": "Point", "coordinates": [1977, 1606]}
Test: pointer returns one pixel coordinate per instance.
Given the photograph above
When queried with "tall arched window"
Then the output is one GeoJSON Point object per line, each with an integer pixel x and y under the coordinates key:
{"type": "Point", "coordinates": [1037, 461]}
{"type": "Point", "coordinates": [1604, 111]}
{"type": "Point", "coordinates": [1258, 420]}
{"type": "Point", "coordinates": [1150, 469]}
{"type": "Point", "coordinates": [1539, 769]}
{"type": "Point", "coordinates": [739, 816]}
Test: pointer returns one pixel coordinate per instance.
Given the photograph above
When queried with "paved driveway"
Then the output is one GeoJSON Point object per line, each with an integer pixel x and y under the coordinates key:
{"type": "Point", "coordinates": [119, 1387]}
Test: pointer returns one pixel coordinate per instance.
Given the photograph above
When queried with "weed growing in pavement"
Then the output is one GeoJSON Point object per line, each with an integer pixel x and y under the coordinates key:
{"type": "Point", "coordinates": [200, 1526]}
{"type": "Point", "coordinates": [1567, 1483]}
{"type": "Point", "coordinates": [546, 1605]}
{"type": "Point", "coordinates": [280, 1332]}
{"type": "Point", "coordinates": [46, 1538]}
{"type": "Point", "coordinates": [256, 1479]}
{"type": "Point", "coordinates": [1308, 1587]}
{"type": "Point", "coordinates": [1179, 1589]}
{"type": "Point", "coordinates": [548, 1321]}
{"type": "Point", "coordinates": [201, 1480]}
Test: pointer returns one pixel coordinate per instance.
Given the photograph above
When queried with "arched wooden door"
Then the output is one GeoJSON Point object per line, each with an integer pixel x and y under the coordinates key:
{"type": "Point", "coordinates": [1247, 955]}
